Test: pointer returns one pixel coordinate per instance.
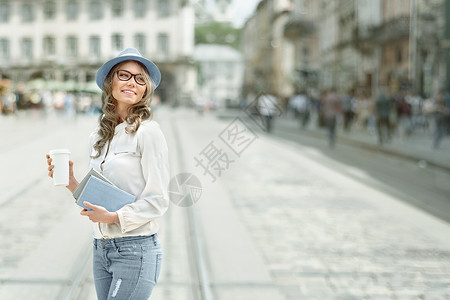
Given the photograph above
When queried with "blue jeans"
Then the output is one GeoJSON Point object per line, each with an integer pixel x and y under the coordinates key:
{"type": "Point", "coordinates": [126, 268]}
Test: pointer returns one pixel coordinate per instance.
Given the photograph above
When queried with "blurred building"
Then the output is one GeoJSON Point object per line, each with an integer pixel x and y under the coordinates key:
{"type": "Point", "coordinates": [346, 44]}
{"type": "Point", "coordinates": [392, 36]}
{"type": "Point", "coordinates": [219, 65]}
{"type": "Point", "coordinates": [219, 74]}
{"type": "Point", "coordinates": [368, 15]}
{"type": "Point", "coordinates": [268, 56]}
{"type": "Point", "coordinates": [431, 51]}
{"type": "Point", "coordinates": [68, 40]}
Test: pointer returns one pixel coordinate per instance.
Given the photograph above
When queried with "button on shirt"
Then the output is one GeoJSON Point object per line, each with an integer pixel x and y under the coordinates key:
{"type": "Point", "coordinates": [138, 164]}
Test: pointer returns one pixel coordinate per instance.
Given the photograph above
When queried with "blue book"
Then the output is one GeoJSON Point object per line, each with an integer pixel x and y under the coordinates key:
{"type": "Point", "coordinates": [76, 193]}
{"type": "Point", "coordinates": [96, 189]}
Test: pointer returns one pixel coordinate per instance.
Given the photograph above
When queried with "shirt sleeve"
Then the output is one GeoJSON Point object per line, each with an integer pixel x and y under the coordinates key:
{"type": "Point", "coordinates": [154, 200]}
{"type": "Point", "coordinates": [93, 137]}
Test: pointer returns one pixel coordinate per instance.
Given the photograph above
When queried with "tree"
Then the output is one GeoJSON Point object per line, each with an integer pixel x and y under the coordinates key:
{"type": "Point", "coordinates": [217, 33]}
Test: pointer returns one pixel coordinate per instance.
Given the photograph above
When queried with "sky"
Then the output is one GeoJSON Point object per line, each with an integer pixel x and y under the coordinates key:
{"type": "Point", "coordinates": [243, 10]}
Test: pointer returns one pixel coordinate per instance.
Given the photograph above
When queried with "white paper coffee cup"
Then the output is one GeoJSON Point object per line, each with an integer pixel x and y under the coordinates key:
{"type": "Point", "coordinates": [60, 159]}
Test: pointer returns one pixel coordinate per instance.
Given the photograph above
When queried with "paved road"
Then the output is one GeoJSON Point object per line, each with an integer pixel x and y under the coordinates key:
{"type": "Point", "coordinates": [276, 220]}
{"type": "Point", "coordinates": [409, 168]}
{"type": "Point", "coordinates": [398, 168]}
{"type": "Point", "coordinates": [43, 238]}
{"type": "Point", "coordinates": [322, 232]}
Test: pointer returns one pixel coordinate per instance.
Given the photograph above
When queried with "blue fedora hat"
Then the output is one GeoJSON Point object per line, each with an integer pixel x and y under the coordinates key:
{"type": "Point", "coordinates": [125, 55]}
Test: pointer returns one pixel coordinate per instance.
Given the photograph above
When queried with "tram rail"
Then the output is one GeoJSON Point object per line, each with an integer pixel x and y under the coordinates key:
{"type": "Point", "coordinates": [202, 289]}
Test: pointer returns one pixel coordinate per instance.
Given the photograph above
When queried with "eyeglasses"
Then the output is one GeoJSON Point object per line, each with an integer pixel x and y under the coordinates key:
{"type": "Point", "coordinates": [124, 75]}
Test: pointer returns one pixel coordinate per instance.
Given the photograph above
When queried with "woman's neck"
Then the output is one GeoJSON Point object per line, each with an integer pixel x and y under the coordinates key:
{"type": "Point", "coordinates": [122, 113]}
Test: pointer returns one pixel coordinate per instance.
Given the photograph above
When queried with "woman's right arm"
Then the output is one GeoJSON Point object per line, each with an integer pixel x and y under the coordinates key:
{"type": "Point", "coordinates": [73, 183]}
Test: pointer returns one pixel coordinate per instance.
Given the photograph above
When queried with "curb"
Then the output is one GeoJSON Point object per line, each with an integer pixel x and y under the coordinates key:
{"type": "Point", "coordinates": [316, 133]}
{"type": "Point", "coordinates": [376, 148]}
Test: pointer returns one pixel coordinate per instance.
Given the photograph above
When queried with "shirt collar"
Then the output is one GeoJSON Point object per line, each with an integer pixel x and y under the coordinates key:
{"type": "Point", "coordinates": [120, 127]}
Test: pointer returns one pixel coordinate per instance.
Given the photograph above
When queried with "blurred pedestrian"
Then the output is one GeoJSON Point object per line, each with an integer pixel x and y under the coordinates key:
{"type": "Point", "coordinates": [363, 110]}
{"type": "Point", "coordinates": [383, 111]}
{"type": "Point", "coordinates": [69, 104]}
{"type": "Point", "coordinates": [415, 102]}
{"type": "Point", "coordinates": [130, 150]}
{"type": "Point", "coordinates": [331, 107]}
{"type": "Point", "coordinates": [8, 102]}
{"type": "Point", "coordinates": [428, 110]}
{"type": "Point", "coordinates": [348, 105]}
{"type": "Point", "coordinates": [441, 113]}
{"type": "Point", "coordinates": [300, 103]}
{"type": "Point", "coordinates": [404, 122]}
{"type": "Point", "coordinates": [47, 100]}
{"type": "Point", "coordinates": [267, 106]}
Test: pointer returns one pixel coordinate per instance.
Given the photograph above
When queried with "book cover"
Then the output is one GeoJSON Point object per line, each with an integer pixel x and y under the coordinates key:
{"type": "Point", "coordinates": [76, 193]}
{"type": "Point", "coordinates": [102, 193]}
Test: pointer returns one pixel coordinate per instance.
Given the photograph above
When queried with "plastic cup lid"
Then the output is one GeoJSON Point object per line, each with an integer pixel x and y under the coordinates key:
{"type": "Point", "coordinates": [59, 151]}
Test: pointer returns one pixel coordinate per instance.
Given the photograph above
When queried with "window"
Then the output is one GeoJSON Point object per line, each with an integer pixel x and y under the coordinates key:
{"type": "Point", "coordinates": [117, 42]}
{"type": "Point", "coordinates": [399, 55]}
{"type": "Point", "coordinates": [49, 10]}
{"type": "Point", "coordinates": [117, 8]}
{"type": "Point", "coordinates": [140, 8]}
{"type": "Point", "coordinates": [72, 10]}
{"type": "Point", "coordinates": [305, 53]}
{"type": "Point", "coordinates": [163, 44]}
{"type": "Point", "coordinates": [27, 48]}
{"type": "Point", "coordinates": [67, 76]}
{"type": "Point", "coordinates": [5, 12]}
{"type": "Point", "coordinates": [139, 42]}
{"type": "Point", "coordinates": [94, 46]}
{"type": "Point", "coordinates": [72, 46]}
{"type": "Point", "coordinates": [27, 12]}
{"type": "Point", "coordinates": [163, 8]}
{"type": "Point", "coordinates": [4, 49]}
{"type": "Point", "coordinates": [95, 10]}
{"type": "Point", "coordinates": [90, 77]}
{"type": "Point", "coordinates": [49, 45]}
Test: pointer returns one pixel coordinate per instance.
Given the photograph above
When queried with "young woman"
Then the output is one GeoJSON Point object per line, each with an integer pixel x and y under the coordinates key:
{"type": "Point", "coordinates": [131, 151]}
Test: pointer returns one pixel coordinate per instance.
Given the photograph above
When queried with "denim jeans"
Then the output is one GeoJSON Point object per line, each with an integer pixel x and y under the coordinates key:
{"type": "Point", "coordinates": [126, 268]}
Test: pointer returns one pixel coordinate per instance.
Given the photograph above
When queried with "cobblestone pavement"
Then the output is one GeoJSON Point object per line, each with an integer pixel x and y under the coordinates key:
{"type": "Point", "coordinates": [326, 236]}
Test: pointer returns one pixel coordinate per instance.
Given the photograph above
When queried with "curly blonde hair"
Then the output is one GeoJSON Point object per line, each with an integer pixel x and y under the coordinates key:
{"type": "Point", "coordinates": [109, 119]}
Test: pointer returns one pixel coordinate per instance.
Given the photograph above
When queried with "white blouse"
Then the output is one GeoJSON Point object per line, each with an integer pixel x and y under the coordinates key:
{"type": "Point", "coordinates": [137, 163]}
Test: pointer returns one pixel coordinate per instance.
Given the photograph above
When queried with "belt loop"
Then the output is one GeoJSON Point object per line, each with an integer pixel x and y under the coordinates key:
{"type": "Point", "coordinates": [95, 243]}
{"type": "Point", "coordinates": [113, 242]}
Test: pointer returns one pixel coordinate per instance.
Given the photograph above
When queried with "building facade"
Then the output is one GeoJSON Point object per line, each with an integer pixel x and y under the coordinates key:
{"type": "Point", "coordinates": [268, 54]}
{"type": "Point", "coordinates": [68, 40]}
{"type": "Point", "coordinates": [219, 74]}
{"type": "Point", "coordinates": [301, 30]}
{"type": "Point", "coordinates": [356, 45]}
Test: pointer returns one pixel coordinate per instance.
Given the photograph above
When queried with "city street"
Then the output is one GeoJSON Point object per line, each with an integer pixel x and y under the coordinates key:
{"type": "Point", "coordinates": [277, 216]}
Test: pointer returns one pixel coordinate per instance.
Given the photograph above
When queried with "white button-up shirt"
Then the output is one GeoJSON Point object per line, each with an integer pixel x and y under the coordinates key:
{"type": "Point", "coordinates": [138, 164]}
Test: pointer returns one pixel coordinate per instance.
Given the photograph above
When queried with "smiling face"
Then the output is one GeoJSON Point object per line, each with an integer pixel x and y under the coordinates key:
{"type": "Point", "coordinates": [127, 92]}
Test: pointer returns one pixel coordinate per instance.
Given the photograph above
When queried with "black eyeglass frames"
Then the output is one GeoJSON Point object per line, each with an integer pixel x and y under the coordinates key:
{"type": "Point", "coordinates": [124, 75]}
